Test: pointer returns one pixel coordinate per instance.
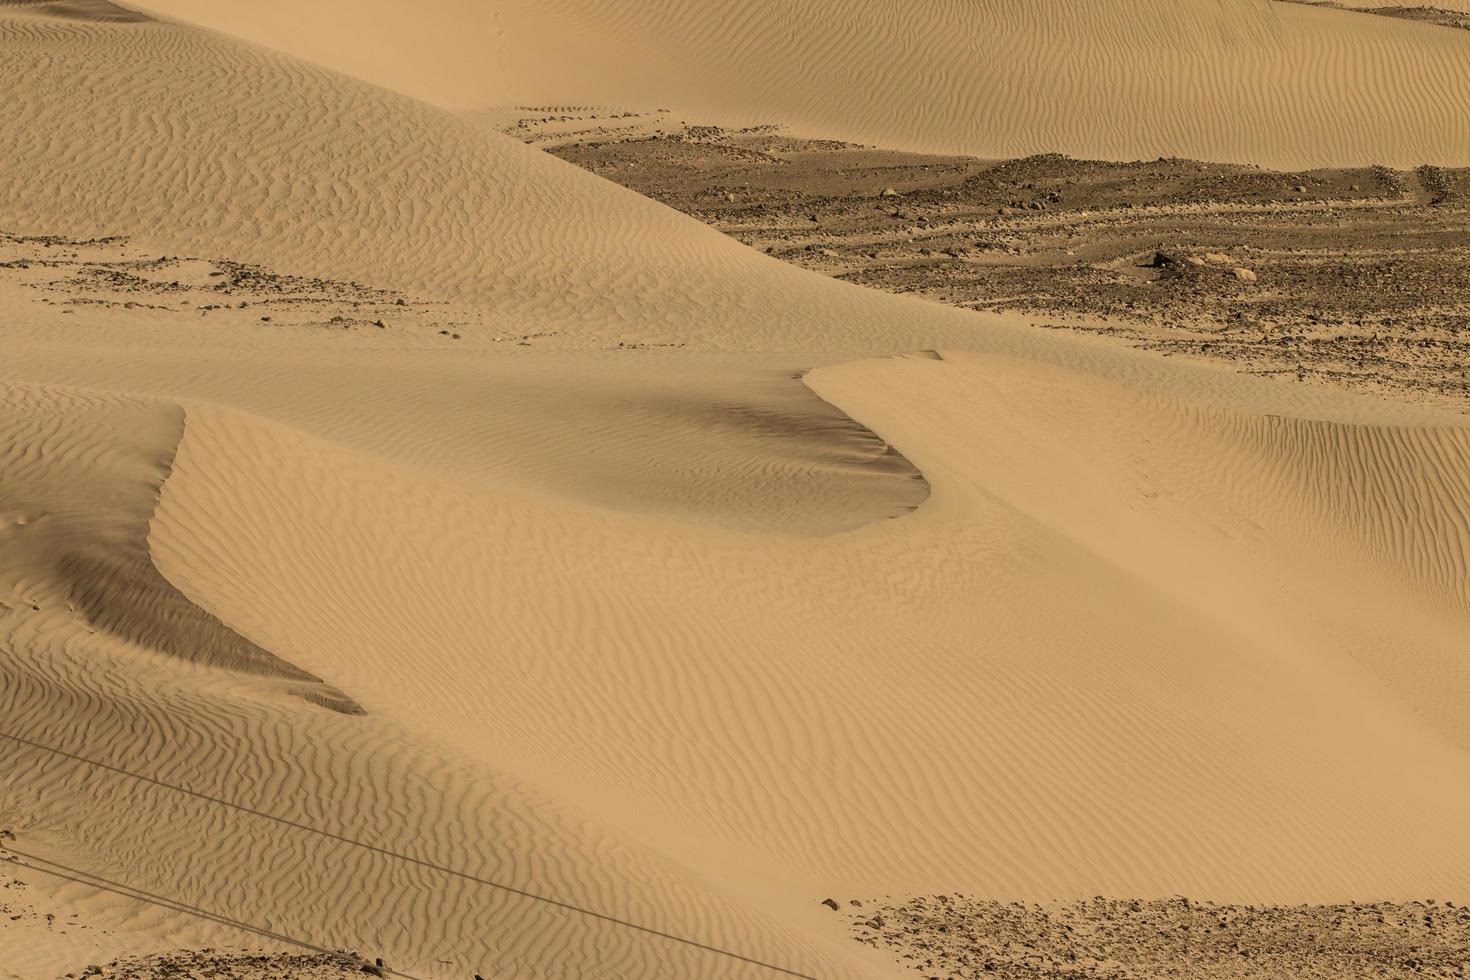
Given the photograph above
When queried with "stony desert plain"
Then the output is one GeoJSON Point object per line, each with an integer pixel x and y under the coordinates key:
{"type": "Point", "coordinates": [625, 489]}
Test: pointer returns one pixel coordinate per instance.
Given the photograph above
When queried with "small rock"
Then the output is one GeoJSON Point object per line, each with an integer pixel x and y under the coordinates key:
{"type": "Point", "coordinates": [1244, 275]}
{"type": "Point", "coordinates": [831, 903]}
{"type": "Point", "coordinates": [889, 192]}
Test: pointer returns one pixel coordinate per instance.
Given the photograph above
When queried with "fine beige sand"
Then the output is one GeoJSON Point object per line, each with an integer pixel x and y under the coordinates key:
{"type": "Point", "coordinates": [1252, 81]}
{"type": "Point", "coordinates": [531, 581]}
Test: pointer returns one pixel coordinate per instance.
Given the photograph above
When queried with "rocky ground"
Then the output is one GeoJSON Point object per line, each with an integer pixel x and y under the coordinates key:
{"type": "Point", "coordinates": [212, 964]}
{"type": "Point", "coordinates": [1356, 277]}
{"type": "Point", "coordinates": [1419, 12]}
{"type": "Point", "coordinates": [949, 937]}
{"type": "Point", "coordinates": [116, 277]}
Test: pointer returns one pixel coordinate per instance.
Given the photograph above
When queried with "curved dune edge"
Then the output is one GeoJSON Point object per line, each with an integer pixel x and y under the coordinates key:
{"type": "Point", "coordinates": [1246, 81]}
{"type": "Point", "coordinates": [1317, 588]}
{"type": "Point", "coordinates": [209, 807]}
{"type": "Point", "coordinates": [82, 474]}
{"type": "Point", "coordinates": [1182, 632]}
{"type": "Point", "coordinates": [224, 797]}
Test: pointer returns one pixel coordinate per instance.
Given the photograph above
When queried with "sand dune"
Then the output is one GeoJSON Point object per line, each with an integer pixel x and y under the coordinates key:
{"type": "Point", "coordinates": [613, 650]}
{"type": "Point", "coordinates": [1013, 688]}
{"type": "Point", "coordinates": [1249, 81]}
{"type": "Point", "coordinates": [785, 736]}
{"type": "Point", "coordinates": [79, 508]}
{"type": "Point", "coordinates": [420, 201]}
{"type": "Point", "coordinates": [205, 781]}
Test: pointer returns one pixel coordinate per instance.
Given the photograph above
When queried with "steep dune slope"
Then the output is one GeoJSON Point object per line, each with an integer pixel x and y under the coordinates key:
{"type": "Point", "coordinates": [150, 749]}
{"type": "Point", "coordinates": [88, 537]}
{"type": "Point", "coordinates": [724, 440]}
{"type": "Point", "coordinates": [1241, 80]}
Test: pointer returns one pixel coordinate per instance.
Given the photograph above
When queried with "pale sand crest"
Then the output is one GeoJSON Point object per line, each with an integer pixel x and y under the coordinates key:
{"type": "Point", "coordinates": [1252, 81]}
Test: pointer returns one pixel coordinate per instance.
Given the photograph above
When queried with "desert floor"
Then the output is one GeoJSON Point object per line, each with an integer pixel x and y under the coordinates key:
{"type": "Point", "coordinates": [1354, 278]}
{"type": "Point", "coordinates": [580, 489]}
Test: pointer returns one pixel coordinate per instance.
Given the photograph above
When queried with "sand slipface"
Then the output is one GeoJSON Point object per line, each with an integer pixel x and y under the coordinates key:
{"type": "Point", "coordinates": [414, 545]}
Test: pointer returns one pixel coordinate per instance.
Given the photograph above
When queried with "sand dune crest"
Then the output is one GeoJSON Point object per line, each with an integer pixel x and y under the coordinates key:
{"type": "Point", "coordinates": [1249, 81]}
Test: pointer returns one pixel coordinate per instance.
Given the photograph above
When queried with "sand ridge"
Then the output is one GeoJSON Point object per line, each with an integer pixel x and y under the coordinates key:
{"type": "Point", "coordinates": [463, 221]}
{"type": "Point", "coordinates": [1245, 81]}
{"type": "Point", "coordinates": [222, 536]}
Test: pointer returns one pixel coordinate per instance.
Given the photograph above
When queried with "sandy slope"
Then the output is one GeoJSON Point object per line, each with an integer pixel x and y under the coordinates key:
{"type": "Point", "coordinates": [422, 201]}
{"type": "Point", "coordinates": [1240, 80]}
{"type": "Point", "coordinates": [525, 663]}
{"type": "Point", "coordinates": [1175, 682]}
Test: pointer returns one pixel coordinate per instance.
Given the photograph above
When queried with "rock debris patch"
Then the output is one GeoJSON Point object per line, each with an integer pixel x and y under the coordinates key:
{"type": "Point", "coordinates": [954, 937]}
